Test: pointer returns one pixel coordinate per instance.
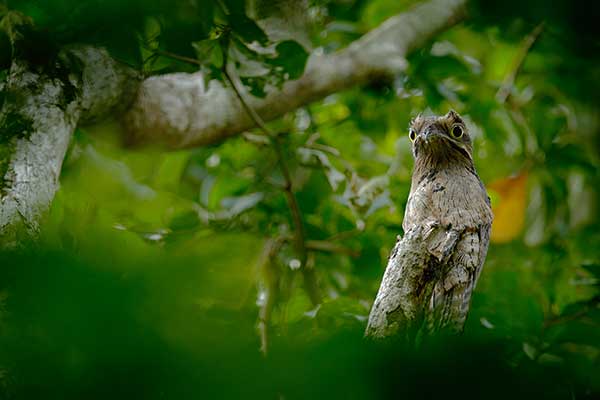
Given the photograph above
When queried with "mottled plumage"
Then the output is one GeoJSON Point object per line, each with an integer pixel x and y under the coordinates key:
{"type": "Point", "coordinates": [433, 269]}
{"type": "Point", "coordinates": [449, 200]}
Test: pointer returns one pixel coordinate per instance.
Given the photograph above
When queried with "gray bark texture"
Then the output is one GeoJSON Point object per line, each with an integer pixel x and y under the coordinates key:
{"type": "Point", "coordinates": [405, 289]}
{"type": "Point", "coordinates": [42, 108]}
{"type": "Point", "coordinates": [180, 110]}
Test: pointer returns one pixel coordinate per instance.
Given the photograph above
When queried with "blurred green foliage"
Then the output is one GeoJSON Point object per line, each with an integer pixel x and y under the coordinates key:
{"type": "Point", "coordinates": [147, 281]}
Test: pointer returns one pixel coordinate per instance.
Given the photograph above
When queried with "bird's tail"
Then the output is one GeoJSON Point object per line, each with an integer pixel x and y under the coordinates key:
{"type": "Point", "coordinates": [449, 307]}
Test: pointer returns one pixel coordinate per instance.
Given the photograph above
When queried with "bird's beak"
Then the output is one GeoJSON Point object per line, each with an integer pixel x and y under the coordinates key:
{"type": "Point", "coordinates": [428, 134]}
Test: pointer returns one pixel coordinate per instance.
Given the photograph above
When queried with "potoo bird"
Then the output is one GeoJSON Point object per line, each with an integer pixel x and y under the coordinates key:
{"type": "Point", "coordinates": [432, 271]}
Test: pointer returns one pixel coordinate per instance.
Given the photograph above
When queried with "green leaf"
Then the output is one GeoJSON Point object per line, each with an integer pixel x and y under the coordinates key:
{"type": "Point", "coordinates": [210, 53]}
{"type": "Point", "coordinates": [256, 85]}
{"type": "Point", "coordinates": [184, 221]}
{"type": "Point", "coordinates": [170, 170]}
{"type": "Point", "coordinates": [245, 27]}
{"type": "Point", "coordinates": [237, 205]}
{"type": "Point", "coordinates": [593, 269]}
{"type": "Point", "coordinates": [204, 49]}
{"type": "Point", "coordinates": [292, 57]}
{"type": "Point", "coordinates": [216, 57]}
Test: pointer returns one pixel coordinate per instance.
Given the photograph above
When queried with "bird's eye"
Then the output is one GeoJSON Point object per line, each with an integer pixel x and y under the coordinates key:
{"type": "Point", "coordinates": [412, 135]}
{"type": "Point", "coordinates": [457, 131]}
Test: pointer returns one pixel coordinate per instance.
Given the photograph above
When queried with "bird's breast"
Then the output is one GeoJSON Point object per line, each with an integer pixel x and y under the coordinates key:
{"type": "Point", "coordinates": [449, 198]}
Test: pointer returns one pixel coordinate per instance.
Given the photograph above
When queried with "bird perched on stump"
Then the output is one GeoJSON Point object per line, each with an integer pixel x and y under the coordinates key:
{"type": "Point", "coordinates": [432, 271]}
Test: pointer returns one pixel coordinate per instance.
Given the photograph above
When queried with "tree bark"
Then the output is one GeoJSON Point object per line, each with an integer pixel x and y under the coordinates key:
{"type": "Point", "coordinates": [42, 107]}
{"type": "Point", "coordinates": [180, 111]}
{"type": "Point", "coordinates": [405, 289]}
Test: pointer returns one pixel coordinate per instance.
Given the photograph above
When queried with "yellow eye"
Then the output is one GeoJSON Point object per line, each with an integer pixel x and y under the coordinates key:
{"type": "Point", "coordinates": [457, 131]}
{"type": "Point", "coordinates": [412, 135]}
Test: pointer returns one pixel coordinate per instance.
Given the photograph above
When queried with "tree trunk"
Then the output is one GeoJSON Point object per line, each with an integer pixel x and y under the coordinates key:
{"type": "Point", "coordinates": [42, 106]}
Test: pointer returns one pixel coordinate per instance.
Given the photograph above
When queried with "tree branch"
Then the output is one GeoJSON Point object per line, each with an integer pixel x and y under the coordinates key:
{"type": "Point", "coordinates": [180, 111]}
{"type": "Point", "coordinates": [310, 279]}
{"type": "Point", "coordinates": [509, 80]}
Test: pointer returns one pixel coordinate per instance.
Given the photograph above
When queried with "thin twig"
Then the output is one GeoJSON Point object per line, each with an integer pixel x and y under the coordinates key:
{"type": "Point", "coordinates": [175, 56]}
{"type": "Point", "coordinates": [310, 280]}
{"type": "Point", "coordinates": [343, 235]}
{"type": "Point", "coordinates": [325, 246]}
{"type": "Point", "coordinates": [561, 319]}
{"type": "Point", "coordinates": [329, 247]}
{"type": "Point", "coordinates": [526, 45]}
{"type": "Point", "coordinates": [260, 140]}
{"type": "Point", "coordinates": [270, 274]}
{"type": "Point", "coordinates": [249, 110]}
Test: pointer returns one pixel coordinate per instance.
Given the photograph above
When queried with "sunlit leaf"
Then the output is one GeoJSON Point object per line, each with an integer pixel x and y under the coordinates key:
{"type": "Point", "coordinates": [237, 205]}
{"type": "Point", "coordinates": [291, 56]}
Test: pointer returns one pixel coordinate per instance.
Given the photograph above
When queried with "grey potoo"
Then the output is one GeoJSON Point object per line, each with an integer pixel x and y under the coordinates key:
{"type": "Point", "coordinates": [432, 271]}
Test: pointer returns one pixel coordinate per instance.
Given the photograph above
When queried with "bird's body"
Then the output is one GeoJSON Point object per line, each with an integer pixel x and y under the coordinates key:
{"type": "Point", "coordinates": [434, 268]}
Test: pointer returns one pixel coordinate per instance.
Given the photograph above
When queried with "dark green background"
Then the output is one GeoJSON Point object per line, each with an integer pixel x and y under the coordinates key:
{"type": "Point", "coordinates": [131, 293]}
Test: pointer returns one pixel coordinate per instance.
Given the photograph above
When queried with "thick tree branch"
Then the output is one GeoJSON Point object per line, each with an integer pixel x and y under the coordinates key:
{"type": "Point", "coordinates": [179, 110]}
{"type": "Point", "coordinates": [42, 107]}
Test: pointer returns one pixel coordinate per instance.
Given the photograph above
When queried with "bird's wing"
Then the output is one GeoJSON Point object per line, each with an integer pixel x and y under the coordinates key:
{"type": "Point", "coordinates": [452, 294]}
{"type": "Point", "coordinates": [484, 242]}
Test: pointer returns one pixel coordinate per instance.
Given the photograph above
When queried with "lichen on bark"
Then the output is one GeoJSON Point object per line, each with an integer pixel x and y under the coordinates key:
{"type": "Point", "coordinates": [14, 127]}
{"type": "Point", "coordinates": [42, 106]}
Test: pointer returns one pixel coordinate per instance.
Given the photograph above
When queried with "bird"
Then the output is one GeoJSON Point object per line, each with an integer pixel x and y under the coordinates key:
{"type": "Point", "coordinates": [434, 268]}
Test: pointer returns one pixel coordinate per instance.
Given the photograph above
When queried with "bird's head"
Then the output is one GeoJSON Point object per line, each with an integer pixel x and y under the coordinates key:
{"type": "Point", "coordinates": [441, 139]}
